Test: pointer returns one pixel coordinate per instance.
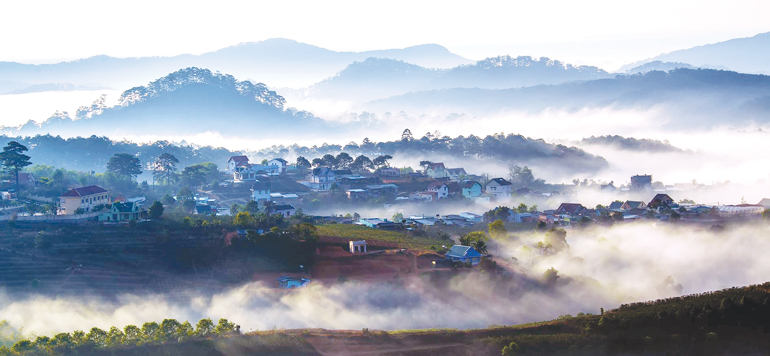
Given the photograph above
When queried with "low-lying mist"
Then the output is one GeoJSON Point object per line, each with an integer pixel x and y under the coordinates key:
{"type": "Point", "coordinates": [601, 268]}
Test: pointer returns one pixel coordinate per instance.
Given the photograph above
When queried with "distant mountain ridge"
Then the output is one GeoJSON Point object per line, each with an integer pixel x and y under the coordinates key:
{"type": "Point", "coordinates": [745, 55]}
{"type": "Point", "coordinates": [281, 62]}
{"type": "Point", "coordinates": [699, 97]}
{"type": "Point", "coordinates": [377, 78]}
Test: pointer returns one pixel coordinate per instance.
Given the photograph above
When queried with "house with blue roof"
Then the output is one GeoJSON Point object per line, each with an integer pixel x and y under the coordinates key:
{"type": "Point", "coordinates": [289, 282]}
{"type": "Point", "coordinates": [463, 254]}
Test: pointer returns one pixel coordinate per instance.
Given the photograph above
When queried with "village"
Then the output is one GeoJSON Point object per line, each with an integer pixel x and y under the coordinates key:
{"type": "Point", "coordinates": [255, 203]}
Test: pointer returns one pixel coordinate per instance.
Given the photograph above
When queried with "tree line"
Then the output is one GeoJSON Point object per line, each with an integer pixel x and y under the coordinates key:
{"type": "Point", "coordinates": [150, 333]}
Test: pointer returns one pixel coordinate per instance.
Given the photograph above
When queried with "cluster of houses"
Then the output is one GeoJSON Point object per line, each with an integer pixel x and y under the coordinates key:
{"type": "Point", "coordinates": [436, 183]}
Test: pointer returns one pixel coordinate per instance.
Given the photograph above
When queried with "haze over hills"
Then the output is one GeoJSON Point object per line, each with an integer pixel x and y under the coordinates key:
{"type": "Point", "coordinates": [702, 97]}
{"type": "Point", "coordinates": [377, 78]}
{"type": "Point", "coordinates": [746, 55]}
{"type": "Point", "coordinates": [281, 62]}
{"type": "Point", "coordinates": [188, 101]}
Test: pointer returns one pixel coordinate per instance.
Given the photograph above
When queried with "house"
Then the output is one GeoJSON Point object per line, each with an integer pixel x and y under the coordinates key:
{"type": "Point", "coordinates": [355, 182]}
{"type": "Point", "coordinates": [471, 189]}
{"type": "Point", "coordinates": [288, 282]}
{"type": "Point", "coordinates": [641, 182]}
{"type": "Point", "coordinates": [250, 172]}
{"type": "Point", "coordinates": [764, 203]}
{"type": "Point", "coordinates": [437, 170]}
{"type": "Point", "coordinates": [260, 191]}
{"type": "Point", "coordinates": [84, 198]}
{"type": "Point", "coordinates": [454, 188]}
{"type": "Point", "coordinates": [120, 212]}
{"type": "Point", "coordinates": [661, 200]}
{"type": "Point", "coordinates": [615, 206]}
{"type": "Point", "coordinates": [463, 254]}
{"type": "Point", "coordinates": [358, 246]}
{"type": "Point", "coordinates": [519, 218]}
{"type": "Point", "coordinates": [371, 222]}
{"type": "Point", "coordinates": [608, 187]}
{"type": "Point", "coordinates": [235, 163]}
{"type": "Point", "coordinates": [25, 180]}
{"type": "Point", "coordinates": [376, 190]}
{"type": "Point", "coordinates": [456, 174]}
{"type": "Point", "coordinates": [342, 173]}
{"type": "Point", "coordinates": [281, 163]}
{"type": "Point", "coordinates": [284, 210]}
{"type": "Point", "coordinates": [388, 172]}
{"type": "Point", "coordinates": [630, 204]}
{"type": "Point", "coordinates": [441, 189]}
{"type": "Point", "coordinates": [321, 178]}
{"type": "Point", "coordinates": [571, 209]}
{"type": "Point", "coordinates": [357, 194]}
{"type": "Point", "coordinates": [499, 188]}
{"type": "Point", "coordinates": [204, 210]}
{"type": "Point", "coordinates": [474, 218]}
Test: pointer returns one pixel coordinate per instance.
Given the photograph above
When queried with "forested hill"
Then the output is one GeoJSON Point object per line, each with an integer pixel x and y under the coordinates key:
{"type": "Point", "coordinates": [188, 101]}
{"type": "Point", "coordinates": [693, 97]}
{"type": "Point", "coordinates": [501, 150]}
{"type": "Point", "coordinates": [92, 153]}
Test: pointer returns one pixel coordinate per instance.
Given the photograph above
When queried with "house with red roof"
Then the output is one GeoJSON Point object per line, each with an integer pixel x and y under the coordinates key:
{"type": "Point", "coordinates": [85, 198]}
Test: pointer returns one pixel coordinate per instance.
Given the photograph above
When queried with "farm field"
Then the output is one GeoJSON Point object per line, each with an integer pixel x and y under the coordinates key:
{"type": "Point", "coordinates": [339, 233]}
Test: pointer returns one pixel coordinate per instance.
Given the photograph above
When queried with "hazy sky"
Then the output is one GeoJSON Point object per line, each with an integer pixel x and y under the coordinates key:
{"type": "Point", "coordinates": [607, 33]}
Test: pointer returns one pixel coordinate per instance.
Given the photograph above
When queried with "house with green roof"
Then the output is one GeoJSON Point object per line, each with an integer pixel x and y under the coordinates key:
{"type": "Point", "coordinates": [121, 212]}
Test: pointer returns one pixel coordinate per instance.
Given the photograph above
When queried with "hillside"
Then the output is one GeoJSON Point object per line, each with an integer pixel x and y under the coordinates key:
{"type": "Point", "coordinates": [700, 97]}
{"type": "Point", "coordinates": [187, 101]}
{"type": "Point", "coordinates": [746, 55]}
{"type": "Point", "coordinates": [281, 62]}
{"type": "Point", "coordinates": [727, 322]}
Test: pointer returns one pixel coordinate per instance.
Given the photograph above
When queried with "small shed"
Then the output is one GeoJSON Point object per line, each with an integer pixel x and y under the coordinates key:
{"type": "Point", "coordinates": [288, 282]}
{"type": "Point", "coordinates": [358, 246]}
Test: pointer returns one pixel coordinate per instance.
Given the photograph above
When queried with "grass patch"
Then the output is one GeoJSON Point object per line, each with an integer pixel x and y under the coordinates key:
{"type": "Point", "coordinates": [356, 232]}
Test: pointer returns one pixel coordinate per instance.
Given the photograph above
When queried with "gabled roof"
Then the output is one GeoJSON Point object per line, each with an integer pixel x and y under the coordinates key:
{"type": "Point", "coordinates": [453, 187]}
{"type": "Point", "coordinates": [662, 197]}
{"type": "Point", "coordinates": [84, 191]}
{"type": "Point", "coordinates": [239, 159]}
{"type": "Point", "coordinates": [435, 185]}
{"type": "Point", "coordinates": [499, 181]}
{"type": "Point", "coordinates": [636, 204]}
{"type": "Point", "coordinates": [571, 208]}
{"type": "Point", "coordinates": [470, 184]}
{"type": "Point", "coordinates": [322, 171]}
{"type": "Point", "coordinates": [283, 207]}
{"type": "Point", "coordinates": [462, 251]}
{"type": "Point", "coordinates": [260, 185]}
{"type": "Point", "coordinates": [765, 202]}
{"type": "Point", "coordinates": [124, 207]}
{"type": "Point", "coordinates": [280, 160]}
{"type": "Point", "coordinates": [615, 205]}
{"type": "Point", "coordinates": [455, 171]}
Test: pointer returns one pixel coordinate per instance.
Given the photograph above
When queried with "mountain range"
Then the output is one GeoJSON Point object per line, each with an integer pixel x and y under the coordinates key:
{"type": "Point", "coordinates": [745, 55]}
{"type": "Point", "coordinates": [376, 78]}
{"type": "Point", "coordinates": [281, 62]}
{"type": "Point", "coordinates": [696, 97]}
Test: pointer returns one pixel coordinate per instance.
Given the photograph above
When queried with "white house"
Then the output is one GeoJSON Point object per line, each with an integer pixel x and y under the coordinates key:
{"type": "Point", "coordinates": [437, 170]}
{"type": "Point", "coordinates": [236, 162]}
{"type": "Point", "coordinates": [441, 190]}
{"type": "Point", "coordinates": [321, 178]}
{"type": "Point", "coordinates": [456, 174]}
{"type": "Point", "coordinates": [284, 210]}
{"type": "Point", "coordinates": [499, 188]}
{"type": "Point", "coordinates": [279, 162]}
{"type": "Point", "coordinates": [85, 198]}
{"type": "Point", "coordinates": [260, 191]}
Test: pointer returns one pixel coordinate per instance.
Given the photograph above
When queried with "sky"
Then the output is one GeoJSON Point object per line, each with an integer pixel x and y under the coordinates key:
{"type": "Point", "coordinates": [606, 33]}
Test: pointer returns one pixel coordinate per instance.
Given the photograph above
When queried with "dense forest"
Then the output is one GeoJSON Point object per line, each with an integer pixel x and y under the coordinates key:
{"type": "Point", "coordinates": [499, 148]}
{"type": "Point", "coordinates": [92, 153]}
